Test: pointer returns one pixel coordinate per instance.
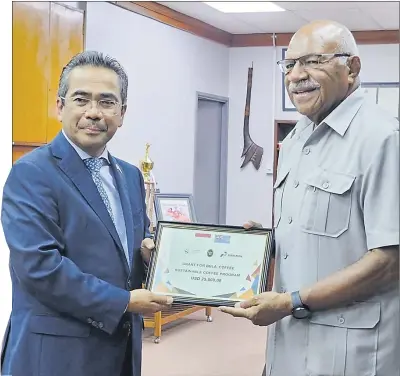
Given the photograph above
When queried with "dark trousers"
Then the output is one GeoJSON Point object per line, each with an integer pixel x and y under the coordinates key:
{"type": "Point", "coordinates": [127, 365]}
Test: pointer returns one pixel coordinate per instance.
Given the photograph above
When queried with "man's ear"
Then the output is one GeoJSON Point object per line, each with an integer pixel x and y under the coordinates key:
{"type": "Point", "coordinates": [354, 65]}
{"type": "Point", "coordinates": [123, 111]}
{"type": "Point", "coordinates": [60, 106]}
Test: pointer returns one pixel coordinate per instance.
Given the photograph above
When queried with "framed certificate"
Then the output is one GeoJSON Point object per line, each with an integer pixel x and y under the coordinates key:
{"type": "Point", "coordinates": [174, 207]}
{"type": "Point", "coordinates": [209, 265]}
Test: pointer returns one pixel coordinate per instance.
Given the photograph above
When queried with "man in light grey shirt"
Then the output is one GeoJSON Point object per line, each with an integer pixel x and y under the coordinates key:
{"type": "Point", "coordinates": [334, 308]}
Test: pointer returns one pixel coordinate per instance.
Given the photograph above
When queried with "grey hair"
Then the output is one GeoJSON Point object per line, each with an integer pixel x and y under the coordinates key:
{"type": "Point", "coordinates": [94, 59]}
{"type": "Point", "coordinates": [346, 42]}
{"type": "Point", "coordinates": [330, 31]}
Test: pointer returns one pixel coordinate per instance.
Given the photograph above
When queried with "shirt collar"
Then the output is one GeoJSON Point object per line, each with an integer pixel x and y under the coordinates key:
{"type": "Point", "coordinates": [82, 154]}
{"type": "Point", "coordinates": [341, 117]}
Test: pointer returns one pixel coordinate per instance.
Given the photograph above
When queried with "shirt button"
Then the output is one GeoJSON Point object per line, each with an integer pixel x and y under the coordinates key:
{"type": "Point", "coordinates": [341, 320]}
{"type": "Point", "coordinates": [296, 184]}
{"type": "Point", "coordinates": [290, 219]}
{"type": "Point", "coordinates": [129, 284]}
{"type": "Point", "coordinates": [325, 185]}
{"type": "Point", "coordinates": [306, 150]}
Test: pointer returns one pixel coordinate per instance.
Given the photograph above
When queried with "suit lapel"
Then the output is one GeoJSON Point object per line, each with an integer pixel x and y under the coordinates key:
{"type": "Point", "coordinates": [123, 191]}
{"type": "Point", "coordinates": [72, 165]}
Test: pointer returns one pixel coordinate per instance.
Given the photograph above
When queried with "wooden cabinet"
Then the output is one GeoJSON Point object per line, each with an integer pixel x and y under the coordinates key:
{"type": "Point", "coordinates": [45, 37]}
{"type": "Point", "coordinates": [66, 40]}
{"type": "Point", "coordinates": [20, 149]}
{"type": "Point", "coordinates": [30, 71]}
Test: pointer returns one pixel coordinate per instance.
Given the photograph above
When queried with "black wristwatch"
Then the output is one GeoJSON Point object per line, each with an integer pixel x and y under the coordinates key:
{"type": "Point", "coordinates": [300, 310]}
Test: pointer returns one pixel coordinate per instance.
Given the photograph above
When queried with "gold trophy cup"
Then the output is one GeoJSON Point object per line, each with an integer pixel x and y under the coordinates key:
{"type": "Point", "coordinates": [146, 165]}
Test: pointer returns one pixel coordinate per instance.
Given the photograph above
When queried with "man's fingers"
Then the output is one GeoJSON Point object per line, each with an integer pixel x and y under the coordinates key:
{"type": "Point", "coordinates": [236, 312]}
{"type": "Point", "coordinates": [252, 224]}
{"type": "Point", "coordinates": [155, 307]}
{"type": "Point", "coordinates": [249, 303]}
{"type": "Point", "coordinates": [162, 299]}
{"type": "Point", "coordinates": [148, 243]}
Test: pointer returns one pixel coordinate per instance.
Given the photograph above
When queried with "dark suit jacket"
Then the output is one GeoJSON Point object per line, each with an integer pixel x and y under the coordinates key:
{"type": "Point", "coordinates": [70, 277]}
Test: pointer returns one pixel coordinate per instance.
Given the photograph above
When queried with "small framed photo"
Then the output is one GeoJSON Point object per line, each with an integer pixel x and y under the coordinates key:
{"type": "Point", "coordinates": [174, 207]}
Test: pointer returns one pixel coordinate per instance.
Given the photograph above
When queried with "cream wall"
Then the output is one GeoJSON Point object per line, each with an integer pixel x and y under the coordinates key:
{"type": "Point", "coordinates": [166, 67]}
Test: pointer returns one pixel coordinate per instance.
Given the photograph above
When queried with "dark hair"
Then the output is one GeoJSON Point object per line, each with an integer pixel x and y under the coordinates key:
{"type": "Point", "coordinates": [94, 59]}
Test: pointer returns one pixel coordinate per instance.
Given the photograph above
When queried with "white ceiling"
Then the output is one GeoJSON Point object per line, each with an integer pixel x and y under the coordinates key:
{"type": "Point", "coordinates": [357, 16]}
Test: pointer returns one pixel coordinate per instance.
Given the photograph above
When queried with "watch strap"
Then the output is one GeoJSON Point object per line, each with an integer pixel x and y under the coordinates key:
{"type": "Point", "coordinates": [297, 302]}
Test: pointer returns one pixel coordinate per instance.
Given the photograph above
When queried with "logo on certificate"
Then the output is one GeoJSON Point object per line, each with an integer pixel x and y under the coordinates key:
{"type": "Point", "coordinates": [210, 252]}
{"type": "Point", "coordinates": [226, 254]}
{"type": "Point", "coordinates": [187, 251]}
{"type": "Point", "coordinates": [222, 239]}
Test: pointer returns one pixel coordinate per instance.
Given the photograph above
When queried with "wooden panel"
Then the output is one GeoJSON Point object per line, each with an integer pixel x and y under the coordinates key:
{"type": "Point", "coordinates": [30, 63]}
{"type": "Point", "coordinates": [377, 37]}
{"type": "Point", "coordinates": [253, 40]}
{"type": "Point", "coordinates": [176, 19]}
{"type": "Point", "coordinates": [283, 39]}
{"type": "Point", "coordinates": [66, 40]}
{"type": "Point", "coordinates": [19, 150]}
{"type": "Point", "coordinates": [181, 21]}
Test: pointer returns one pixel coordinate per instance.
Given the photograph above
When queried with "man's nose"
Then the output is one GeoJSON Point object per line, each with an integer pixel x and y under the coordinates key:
{"type": "Point", "coordinates": [93, 113]}
{"type": "Point", "coordinates": [298, 73]}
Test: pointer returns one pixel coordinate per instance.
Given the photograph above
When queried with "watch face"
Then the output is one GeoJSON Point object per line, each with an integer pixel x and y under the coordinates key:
{"type": "Point", "coordinates": [301, 313]}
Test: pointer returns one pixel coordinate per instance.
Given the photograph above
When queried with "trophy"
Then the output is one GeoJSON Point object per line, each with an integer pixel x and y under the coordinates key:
{"type": "Point", "coordinates": [146, 165]}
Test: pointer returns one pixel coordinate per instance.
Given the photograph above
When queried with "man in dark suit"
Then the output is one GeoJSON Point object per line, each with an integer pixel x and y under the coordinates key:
{"type": "Point", "coordinates": [75, 221]}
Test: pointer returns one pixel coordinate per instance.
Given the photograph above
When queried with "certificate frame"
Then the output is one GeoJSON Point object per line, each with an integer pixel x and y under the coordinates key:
{"type": "Point", "coordinates": [252, 282]}
{"type": "Point", "coordinates": [183, 201]}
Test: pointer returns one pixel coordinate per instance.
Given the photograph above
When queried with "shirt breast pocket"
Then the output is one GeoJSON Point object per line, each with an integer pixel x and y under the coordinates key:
{"type": "Point", "coordinates": [326, 205]}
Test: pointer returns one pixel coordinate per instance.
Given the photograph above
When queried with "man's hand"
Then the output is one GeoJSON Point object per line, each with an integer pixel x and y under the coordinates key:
{"type": "Point", "coordinates": [264, 309]}
{"type": "Point", "coordinates": [252, 224]}
{"type": "Point", "coordinates": [146, 249]}
{"type": "Point", "coordinates": [145, 302]}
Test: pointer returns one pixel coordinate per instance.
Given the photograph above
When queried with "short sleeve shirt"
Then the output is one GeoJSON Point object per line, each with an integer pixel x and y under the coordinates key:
{"type": "Point", "coordinates": [336, 197]}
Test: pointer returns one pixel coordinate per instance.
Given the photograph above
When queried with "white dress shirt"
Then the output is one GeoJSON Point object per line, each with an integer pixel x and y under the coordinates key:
{"type": "Point", "coordinates": [110, 187]}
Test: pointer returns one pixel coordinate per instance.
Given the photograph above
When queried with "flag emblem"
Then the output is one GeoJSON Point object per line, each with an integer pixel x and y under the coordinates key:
{"type": "Point", "coordinates": [224, 239]}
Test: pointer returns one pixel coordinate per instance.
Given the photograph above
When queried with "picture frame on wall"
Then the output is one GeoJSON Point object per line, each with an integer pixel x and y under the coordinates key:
{"type": "Point", "coordinates": [174, 207]}
{"type": "Point", "coordinates": [384, 94]}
